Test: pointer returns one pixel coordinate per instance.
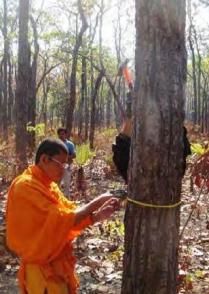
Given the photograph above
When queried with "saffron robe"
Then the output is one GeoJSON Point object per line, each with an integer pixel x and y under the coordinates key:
{"type": "Point", "coordinates": [40, 230]}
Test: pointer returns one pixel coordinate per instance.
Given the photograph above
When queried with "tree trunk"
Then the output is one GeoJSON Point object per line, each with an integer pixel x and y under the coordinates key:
{"type": "Point", "coordinates": [11, 93]}
{"type": "Point", "coordinates": [101, 107]}
{"type": "Point", "coordinates": [1, 99]}
{"type": "Point", "coordinates": [93, 109]}
{"type": "Point", "coordinates": [151, 234]}
{"type": "Point", "coordinates": [194, 78]}
{"type": "Point", "coordinates": [108, 108]}
{"type": "Point", "coordinates": [83, 97]}
{"type": "Point", "coordinates": [72, 100]}
{"type": "Point", "coordinates": [5, 66]}
{"type": "Point", "coordinates": [43, 108]}
{"type": "Point", "coordinates": [32, 88]}
{"type": "Point", "coordinates": [198, 67]}
{"type": "Point", "coordinates": [22, 84]}
{"type": "Point", "coordinates": [86, 117]}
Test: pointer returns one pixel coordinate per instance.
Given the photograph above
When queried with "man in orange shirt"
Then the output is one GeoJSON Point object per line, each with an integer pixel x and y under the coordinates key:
{"type": "Point", "coordinates": [42, 223]}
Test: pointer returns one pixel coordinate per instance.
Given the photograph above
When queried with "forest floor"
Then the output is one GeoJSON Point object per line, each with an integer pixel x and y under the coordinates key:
{"type": "Point", "coordinates": [99, 249]}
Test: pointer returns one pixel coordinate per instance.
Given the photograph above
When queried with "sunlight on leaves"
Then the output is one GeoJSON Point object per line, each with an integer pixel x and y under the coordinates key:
{"type": "Point", "coordinates": [83, 154]}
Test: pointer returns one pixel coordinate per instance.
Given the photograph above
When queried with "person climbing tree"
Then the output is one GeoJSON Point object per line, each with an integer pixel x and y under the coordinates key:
{"type": "Point", "coordinates": [121, 147]}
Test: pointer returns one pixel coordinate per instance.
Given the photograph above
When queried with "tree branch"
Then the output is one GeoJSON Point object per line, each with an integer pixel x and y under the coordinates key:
{"type": "Point", "coordinates": [45, 74]}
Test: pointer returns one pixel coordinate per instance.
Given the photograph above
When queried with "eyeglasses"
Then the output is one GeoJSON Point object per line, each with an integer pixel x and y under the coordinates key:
{"type": "Point", "coordinates": [62, 165]}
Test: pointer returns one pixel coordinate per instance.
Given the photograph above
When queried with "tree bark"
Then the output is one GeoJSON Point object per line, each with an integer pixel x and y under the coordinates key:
{"type": "Point", "coordinates": [32, 87]}
{"type": "Point", "coordinates": [22, 84]}
{"type": "Point", "coordinates": [11, 93]}
{"type": "Point", "coordinates": [5, 67]}
{"type": "Point", "coordinates": [151, 234]}
{"type": "Point", "coordinates": [108, 108]}
{"type": "Point", "coordinates": [1, 98]}
{"type": "Point", "coordinates": [83, 96]}
{"type": "Point", "coordinates": [194, 78]}
{"type": "Point", "coordinates": [93, 109]}
{"type": "Point", "coordinates": [72, 100]}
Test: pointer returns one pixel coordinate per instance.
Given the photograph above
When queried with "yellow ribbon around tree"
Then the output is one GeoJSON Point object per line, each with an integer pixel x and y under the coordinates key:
{"type": "Point", "coordinates": [153, 205]}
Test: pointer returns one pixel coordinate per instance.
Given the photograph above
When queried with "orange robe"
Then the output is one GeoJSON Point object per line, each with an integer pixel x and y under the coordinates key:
{"type": "Point", "coordinates": [40, 229]}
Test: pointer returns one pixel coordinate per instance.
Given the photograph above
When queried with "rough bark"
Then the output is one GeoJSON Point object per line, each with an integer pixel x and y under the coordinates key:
{"type": "Point", "coordinates": [151, 234]}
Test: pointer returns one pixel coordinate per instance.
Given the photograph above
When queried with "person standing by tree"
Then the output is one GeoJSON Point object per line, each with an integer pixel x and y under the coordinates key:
{"type": "Point", "coordinates": [66, 180]}
{"type": "Point", "coordinates": [41, 223]}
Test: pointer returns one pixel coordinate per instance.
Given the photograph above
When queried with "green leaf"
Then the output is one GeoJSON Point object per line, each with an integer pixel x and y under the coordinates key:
{"type": "Point", "coordinates": [198, 148]}
{"type": "Point", "coordinates": [83, 153]}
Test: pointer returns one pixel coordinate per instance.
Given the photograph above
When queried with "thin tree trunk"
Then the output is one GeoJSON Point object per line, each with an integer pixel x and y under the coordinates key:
{"type": "Point", "coordinates": [86, 105]}
{"type": "Point", "coordinates": [1, 99]}
{"type": "Point", "coordinates": [72, 100]}
{"type": "Point", "coordinates": [22, 84]}
{"type": "Point", "coordinates": [108, 109]}
{"type": "Point", "coordinates": [83, 97]}
{"type": "Point", "coordinates": [93, 109]}
{"type": "Point", "coordinates": [194, 78]}
{"type": "Point", "coordinates": [100, 116]}
{"type": "Point", "coordinates": [199, 62]}
{"type": "Point", "coordinates": [32, 88]}
{"type": "Point", "coordinates": [5, 66]}
{"type": "Point", "coordinates": [11, 93]}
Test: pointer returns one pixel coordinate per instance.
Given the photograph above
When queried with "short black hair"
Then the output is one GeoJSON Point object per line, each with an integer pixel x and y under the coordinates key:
{"type": "Point", "coordinates": [62, 129]}
{"type": "Point", "coordinates": [51, 147]}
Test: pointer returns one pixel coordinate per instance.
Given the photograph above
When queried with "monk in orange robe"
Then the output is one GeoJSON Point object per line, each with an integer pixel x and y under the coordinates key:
{"type": "Point", "coordinates": [42, 223]}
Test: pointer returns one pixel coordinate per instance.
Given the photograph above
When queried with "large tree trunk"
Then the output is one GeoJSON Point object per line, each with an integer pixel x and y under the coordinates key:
{"type": "Point", "coordinates": [22, 84]}
{"type": "Point", "coordinates": [151, 234]}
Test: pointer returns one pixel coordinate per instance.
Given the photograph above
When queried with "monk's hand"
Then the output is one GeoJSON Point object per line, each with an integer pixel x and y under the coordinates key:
{"type": "Point", "coordinates": [106, 210]}
{"type": "Point", "coordinates": [100, 200]}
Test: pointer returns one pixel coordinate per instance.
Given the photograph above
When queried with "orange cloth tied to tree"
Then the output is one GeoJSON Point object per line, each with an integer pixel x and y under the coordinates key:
{"type": "Point", "coordinates": [127, 76]}
{"type": "Point", "coordinates": [40, 229]}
